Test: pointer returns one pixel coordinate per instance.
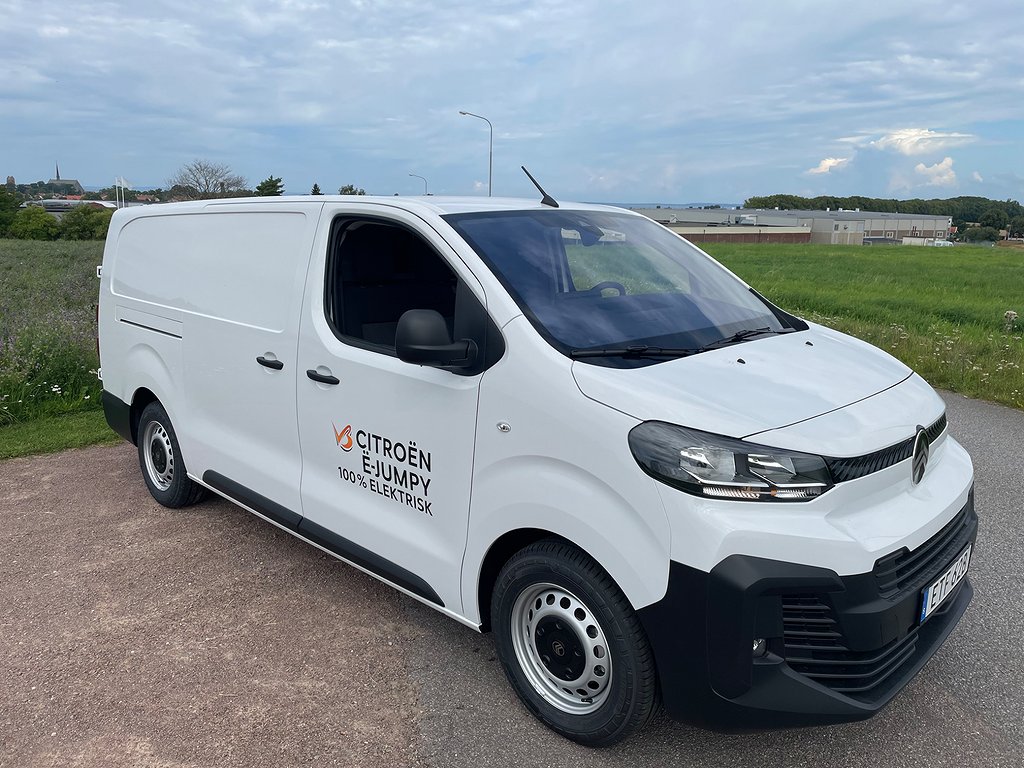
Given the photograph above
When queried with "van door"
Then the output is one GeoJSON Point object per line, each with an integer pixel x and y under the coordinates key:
{"type": "Point", "coordinates": [387, 446]}
{"type": "Point", "coordinates": [238, 271]}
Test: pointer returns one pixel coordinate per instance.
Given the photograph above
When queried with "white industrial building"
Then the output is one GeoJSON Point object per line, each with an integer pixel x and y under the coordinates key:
{"type": "Point", "coordinates": [839, 227]}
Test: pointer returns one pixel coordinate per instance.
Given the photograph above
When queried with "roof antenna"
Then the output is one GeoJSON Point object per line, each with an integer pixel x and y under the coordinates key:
{"type": "Point", "coordinates": [547, 199]}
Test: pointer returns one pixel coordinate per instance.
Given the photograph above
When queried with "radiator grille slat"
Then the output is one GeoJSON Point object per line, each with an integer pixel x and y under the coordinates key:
{"type": "Point", "coordinates": [851, 468]}
{"type": "Point", "coordinates": [904, 571]}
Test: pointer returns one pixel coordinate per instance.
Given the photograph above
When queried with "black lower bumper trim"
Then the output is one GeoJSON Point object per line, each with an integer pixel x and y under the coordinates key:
{"type": "Point", "coordinates": [837, 651]}
{"type": "Point", "coordinates": [118, 414]}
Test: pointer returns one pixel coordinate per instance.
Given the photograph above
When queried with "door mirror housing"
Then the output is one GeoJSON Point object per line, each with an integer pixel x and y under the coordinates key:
{"type": "Point", "coordinates": [422, 338]}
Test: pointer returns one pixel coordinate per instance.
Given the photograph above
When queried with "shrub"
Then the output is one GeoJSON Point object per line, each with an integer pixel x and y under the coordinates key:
{"type": "Point", "coordinates": [33, 223]}
{"type": "Point", "coordinates": [85, 222]}
{"type": "Point", "coordinates": [9, 205]}
{"type": "Point", "coordinates": [978, 234]}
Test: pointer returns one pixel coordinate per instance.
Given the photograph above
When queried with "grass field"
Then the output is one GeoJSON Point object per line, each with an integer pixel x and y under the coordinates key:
{"type": "Point", "coordinates": [48, 293]}
{"type": "Point", "coordinates": [940, 310]}
{"type": "Point", "coordinates": [56, 433]}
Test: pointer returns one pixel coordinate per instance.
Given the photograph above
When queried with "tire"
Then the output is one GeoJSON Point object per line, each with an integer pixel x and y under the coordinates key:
{"type": "Point", "coordinates": [160, 459]}
{"type": "Point", "coordinates": [572, 646]}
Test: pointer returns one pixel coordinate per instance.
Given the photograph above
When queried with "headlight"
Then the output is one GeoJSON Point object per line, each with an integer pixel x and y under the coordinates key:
{"type": "Point", "coordinates": [725, 468]}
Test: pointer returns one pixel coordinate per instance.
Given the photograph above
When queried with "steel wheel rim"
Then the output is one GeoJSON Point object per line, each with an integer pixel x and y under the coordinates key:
{"type": "Point", "coordinates": [159, 455]}
{"type": "Point", "coordinates": [562, 618]}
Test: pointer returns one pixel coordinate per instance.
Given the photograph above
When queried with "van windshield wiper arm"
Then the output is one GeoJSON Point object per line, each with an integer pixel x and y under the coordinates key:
{"type": "Point", "coordinates": [739, 336]}
{"type": "Point", "coordinates": [645, 350]}
{"type": "Point", "coordinates": [636, 350]}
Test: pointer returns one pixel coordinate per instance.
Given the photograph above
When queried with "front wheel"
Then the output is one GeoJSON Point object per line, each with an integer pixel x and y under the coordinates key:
{"type": "Point", "coordinates": [161, 462]}
{"type": "Point", "coordinates": [571, 645]}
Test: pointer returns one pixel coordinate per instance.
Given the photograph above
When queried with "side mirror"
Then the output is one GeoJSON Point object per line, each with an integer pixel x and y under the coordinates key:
{"type": "Point", "coordinates": [422, 338]}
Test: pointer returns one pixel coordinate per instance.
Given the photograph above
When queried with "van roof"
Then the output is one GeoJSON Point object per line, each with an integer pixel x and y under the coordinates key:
{"type": "Point", "coordinates": [431, 204]}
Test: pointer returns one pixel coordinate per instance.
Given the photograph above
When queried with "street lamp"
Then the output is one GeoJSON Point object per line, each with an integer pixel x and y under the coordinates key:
{"type": "Point", "coordinates": [490, 147]}
{"type": "Point", "coordinates": [424, 181]}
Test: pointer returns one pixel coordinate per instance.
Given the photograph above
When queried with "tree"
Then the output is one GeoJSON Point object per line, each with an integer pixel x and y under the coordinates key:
{"type": "Point", "coordinates": [270, 187]}
{"type": "Point", "coordinates": [85, 222]}
{"type": "Point", "coordinates": [351, 189]}
{"type": "Point", "coordinates": [201, 180]}
{"type": "Point", "coordinates": [315, 190]}
{"type": "Point", "coordinates": [1017, 226]}
{"type": "Point", "coordinates": [9, 205]}
{"type": "Point", "coordinates": [995, 218]}
{"type": "Point", "coordinates": [977, 234]}
{"type": "Point", "coordinates": [33, 223]}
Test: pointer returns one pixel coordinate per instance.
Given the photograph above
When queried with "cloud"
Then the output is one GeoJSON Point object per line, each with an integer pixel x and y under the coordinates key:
{"type": "Point", "coordinates": [829, 163]}
{"type": "Point", "coordinates": [54, 31]}
{"type": "Point", "coordinates": [938, 175]}
{"type": "Point", "coordinates": [296, 88]}
{"type": "Point", "coordinates": [920, 141]}
{"type": "Point", "coordinates": [977, 177]}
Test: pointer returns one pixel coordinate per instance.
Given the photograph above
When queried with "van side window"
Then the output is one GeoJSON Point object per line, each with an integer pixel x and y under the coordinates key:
{"type": "Point", "coordinates": [376, 272]}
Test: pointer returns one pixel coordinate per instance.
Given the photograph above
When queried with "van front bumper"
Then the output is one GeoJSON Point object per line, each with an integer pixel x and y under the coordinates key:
{"type": "Point", "coordinates": [838, 648]}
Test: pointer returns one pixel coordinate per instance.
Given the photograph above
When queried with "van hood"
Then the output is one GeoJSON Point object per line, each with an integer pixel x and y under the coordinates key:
{"type": "Point", "coordinates": [766, 383]}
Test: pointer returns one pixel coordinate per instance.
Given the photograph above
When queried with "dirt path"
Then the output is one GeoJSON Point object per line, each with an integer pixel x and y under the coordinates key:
{"type": "Point", "coordinates": [131, 634]}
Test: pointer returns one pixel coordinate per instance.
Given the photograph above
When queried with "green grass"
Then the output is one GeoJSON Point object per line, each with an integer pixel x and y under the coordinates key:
{"type": "Point", "coordinates": [939, 310]}
{"type": "Point", "coordinates": [55, 433]}
{"type": "Point", "coordinates": [48, 294]}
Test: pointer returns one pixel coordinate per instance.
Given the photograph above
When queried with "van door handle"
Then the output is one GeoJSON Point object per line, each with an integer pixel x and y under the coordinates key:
{"type": "Point", "coordinates": [277, 365]}
{"type": "Point", "coordinates": [321, 378]}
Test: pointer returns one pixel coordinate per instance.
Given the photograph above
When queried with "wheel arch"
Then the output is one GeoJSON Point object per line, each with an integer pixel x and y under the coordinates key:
{"type": "Point", "coordinates": [140, 399]}
{"type": "Point", "coordinates": [499, 553]}
{"type": "Point", "coordinates": [623, 528]}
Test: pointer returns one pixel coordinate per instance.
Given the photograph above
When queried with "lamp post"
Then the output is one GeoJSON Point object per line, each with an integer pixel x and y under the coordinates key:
{"type": "Point", "coordinates": [490, 147]}
{"type": "Point", "coordinates": [424, 181]}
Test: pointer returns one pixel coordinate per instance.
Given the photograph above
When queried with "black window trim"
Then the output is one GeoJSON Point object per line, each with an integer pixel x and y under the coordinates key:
{"type": "Point", "coordinates": [491, 339]}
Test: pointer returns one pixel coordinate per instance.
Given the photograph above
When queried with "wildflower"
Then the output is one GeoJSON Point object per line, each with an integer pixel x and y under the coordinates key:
{"type": "Point", "coordinates": [1010, 320]}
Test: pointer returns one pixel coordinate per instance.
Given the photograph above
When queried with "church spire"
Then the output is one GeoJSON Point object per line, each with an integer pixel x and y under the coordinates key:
{"type": "Point", "coordinates": [57, 165]}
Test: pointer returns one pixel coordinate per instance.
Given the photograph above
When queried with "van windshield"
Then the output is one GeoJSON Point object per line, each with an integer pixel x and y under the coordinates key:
{"type": "Point", "coordinates": [614, 289]}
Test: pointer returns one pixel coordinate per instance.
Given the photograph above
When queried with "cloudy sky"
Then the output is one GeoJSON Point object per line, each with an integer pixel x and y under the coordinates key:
{"type": "Point", "coordinates": [643, 101]}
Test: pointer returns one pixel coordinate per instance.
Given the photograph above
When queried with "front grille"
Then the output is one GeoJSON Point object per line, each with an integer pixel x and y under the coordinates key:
{"type": "Point", "coordinates": [815, 648]}
{"type": "Point", "coordinates": [844, 469]}
{"type": "Point", "coordinates": [905, 570]}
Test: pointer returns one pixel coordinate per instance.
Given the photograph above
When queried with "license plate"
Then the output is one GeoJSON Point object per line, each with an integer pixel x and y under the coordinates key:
{"type": "Point", "coordinates": [935, 595]}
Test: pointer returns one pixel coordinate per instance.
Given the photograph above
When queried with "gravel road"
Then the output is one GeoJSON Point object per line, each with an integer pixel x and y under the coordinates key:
{"type": "Point", "coordinates": [138, 635]}
{"type": "Point", "coordinates": [135, 635]}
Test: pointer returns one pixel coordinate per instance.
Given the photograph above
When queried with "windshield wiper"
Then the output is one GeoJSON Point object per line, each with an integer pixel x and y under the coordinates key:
{"type": "Point", "coordinates": [644, 350]}
{"type": "Point", "coordinates": [636, 350]}
{"type": "Point", "coordinates": [739, 336]}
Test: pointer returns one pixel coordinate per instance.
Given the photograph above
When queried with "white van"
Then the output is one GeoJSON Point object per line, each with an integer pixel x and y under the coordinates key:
{"type": "Point", "coordinates": [566, 425]}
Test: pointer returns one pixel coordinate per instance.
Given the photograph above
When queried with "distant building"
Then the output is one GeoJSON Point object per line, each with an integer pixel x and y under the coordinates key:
{"type": "Point", "coordinates": [58, 206]}
{"type": "Point", "coordinates": [69, 186]}
{"type": "Point", "coordinates": [840, 227]}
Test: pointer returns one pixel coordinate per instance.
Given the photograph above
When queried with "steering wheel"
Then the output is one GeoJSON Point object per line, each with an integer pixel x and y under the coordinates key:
{"type": "Point", "coordinates": [608, 285]}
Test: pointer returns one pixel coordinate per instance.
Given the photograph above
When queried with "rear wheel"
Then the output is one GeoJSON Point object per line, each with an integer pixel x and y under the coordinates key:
{"type": "Point", "coordinates": [160, 460]}
{"type": "Point", "coordinates": [571, 645]}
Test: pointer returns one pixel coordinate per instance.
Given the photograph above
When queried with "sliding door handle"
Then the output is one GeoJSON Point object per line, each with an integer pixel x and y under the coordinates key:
{"type": "Point", "coordinates": [323, 379]}
{"type": "Point", "coordinates": [276, 365]}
